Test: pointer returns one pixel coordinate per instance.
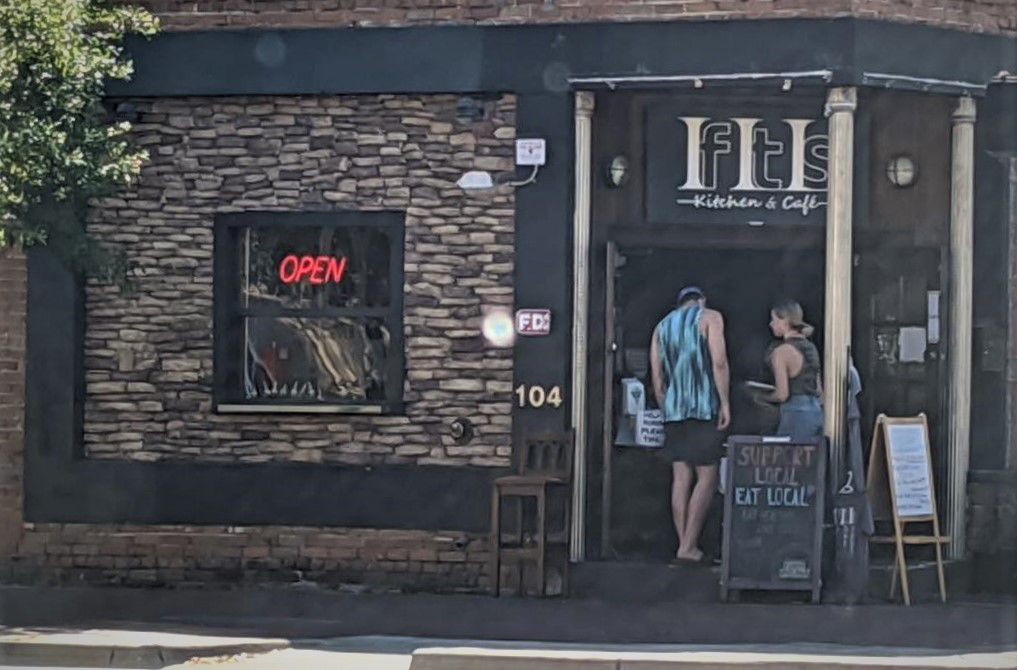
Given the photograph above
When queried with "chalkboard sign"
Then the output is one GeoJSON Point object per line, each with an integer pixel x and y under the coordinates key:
{"type": "Point", "coordinates": [773, 515]}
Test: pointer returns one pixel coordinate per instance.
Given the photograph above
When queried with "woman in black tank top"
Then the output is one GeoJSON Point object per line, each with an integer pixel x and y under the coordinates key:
{"type": "Point", "coordinates": [796, 372]}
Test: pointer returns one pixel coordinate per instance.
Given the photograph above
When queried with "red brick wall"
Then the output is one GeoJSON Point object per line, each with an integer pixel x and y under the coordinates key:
{"type": "Point", "coordinates": [976, 15]}
{"type": "Point", "coordinates": [181, 555]}
{"type": "Point", "coordinates": [12, 394]}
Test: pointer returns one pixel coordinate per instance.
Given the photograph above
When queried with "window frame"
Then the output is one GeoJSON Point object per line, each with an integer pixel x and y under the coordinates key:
{"type": "Point", "coordinates": [227, 309]}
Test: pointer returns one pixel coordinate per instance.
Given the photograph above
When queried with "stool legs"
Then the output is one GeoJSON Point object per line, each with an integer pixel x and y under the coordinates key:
{"type": "Point", "coordinates": [527, 548]}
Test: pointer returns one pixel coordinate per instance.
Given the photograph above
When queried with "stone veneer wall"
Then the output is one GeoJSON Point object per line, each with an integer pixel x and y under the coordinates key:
{"type": "Point", "coordinates": [148, 354]}
{"type": "Point", "coordinates": [975, 15]}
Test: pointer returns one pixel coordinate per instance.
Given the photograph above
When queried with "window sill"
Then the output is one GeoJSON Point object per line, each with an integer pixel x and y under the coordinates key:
{"type": "Point", "coordinates": [366, 408]}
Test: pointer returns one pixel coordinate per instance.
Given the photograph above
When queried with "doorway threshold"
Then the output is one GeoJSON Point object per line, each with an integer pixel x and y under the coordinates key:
{"type": "Point", "coordinates": [645, 582]}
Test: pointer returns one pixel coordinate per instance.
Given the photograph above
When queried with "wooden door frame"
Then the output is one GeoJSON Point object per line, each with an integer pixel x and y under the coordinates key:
{"type": "Point", "coordinates": [709, 238]}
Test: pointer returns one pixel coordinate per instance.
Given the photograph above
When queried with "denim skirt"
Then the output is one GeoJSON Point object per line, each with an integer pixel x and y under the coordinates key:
{"type": "Point", "coordinates": [801, 418]}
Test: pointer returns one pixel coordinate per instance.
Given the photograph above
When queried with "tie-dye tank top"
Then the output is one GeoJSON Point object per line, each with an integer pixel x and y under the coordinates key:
{"type": "Point", "coordinates": [688, 368]}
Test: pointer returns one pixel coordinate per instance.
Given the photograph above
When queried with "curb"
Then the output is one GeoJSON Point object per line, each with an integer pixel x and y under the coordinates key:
{"type": "Point", "coordinates": [488, 659]}
{"type": "Point", "coordinates": [122, 656]}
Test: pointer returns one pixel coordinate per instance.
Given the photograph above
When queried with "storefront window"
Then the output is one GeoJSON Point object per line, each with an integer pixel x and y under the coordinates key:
{"type": "Point", "coordinates": [309, 311]}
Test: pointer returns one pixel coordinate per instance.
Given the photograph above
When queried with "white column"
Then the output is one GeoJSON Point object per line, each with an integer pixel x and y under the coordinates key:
{"type": "Point", "coordinates": [961, 288]}
{"type": "Point", "coordinates": [840, 110]}
{"type": "Point", "coordinates": [580, 315]}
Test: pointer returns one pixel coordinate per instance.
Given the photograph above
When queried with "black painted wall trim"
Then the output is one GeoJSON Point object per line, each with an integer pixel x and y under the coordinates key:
{"type": "Point", "coordinates": [62, 486]}
{"type": "Point", "coordinates": [541, 58]}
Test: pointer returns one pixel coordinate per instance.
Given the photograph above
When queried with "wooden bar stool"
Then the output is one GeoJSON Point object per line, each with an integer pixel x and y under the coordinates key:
{"type": "Point", "coordinates": [544, 476]}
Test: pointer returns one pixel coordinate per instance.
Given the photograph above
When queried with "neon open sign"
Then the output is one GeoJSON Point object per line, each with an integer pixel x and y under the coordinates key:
{"type": "Point", "coordinates": [316, 270]}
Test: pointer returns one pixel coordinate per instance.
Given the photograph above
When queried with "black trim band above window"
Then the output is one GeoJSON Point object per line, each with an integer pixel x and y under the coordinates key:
{"type": "Point", "coordinates": [309, 312]}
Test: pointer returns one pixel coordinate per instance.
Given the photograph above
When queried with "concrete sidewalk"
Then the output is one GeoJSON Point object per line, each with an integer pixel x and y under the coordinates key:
{"type": "Point", "coordinates": [130, 646]}
{"type": "Point", "coordinates": [790, 657]}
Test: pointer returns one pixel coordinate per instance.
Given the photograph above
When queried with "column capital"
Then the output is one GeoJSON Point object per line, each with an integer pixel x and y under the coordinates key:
{"type": "Point", "coordinates": [584, 103]}
{"type": "Point", "coordinates": [966, 111]}
{"type": "Point", "coordinates": [841, 99]}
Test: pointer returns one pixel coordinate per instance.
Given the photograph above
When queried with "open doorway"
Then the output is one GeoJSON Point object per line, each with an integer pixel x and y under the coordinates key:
{"type": "Point", "coordinates": [742, 283]}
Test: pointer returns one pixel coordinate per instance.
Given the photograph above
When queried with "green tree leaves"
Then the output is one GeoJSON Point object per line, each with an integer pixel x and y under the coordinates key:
{"type": "Point", "coordinates": [58, 144]}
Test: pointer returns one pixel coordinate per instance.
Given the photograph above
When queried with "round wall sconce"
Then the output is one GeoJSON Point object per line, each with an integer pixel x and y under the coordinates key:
{"type": "Point", "coordinates": [902, 171]}
{"type": "Point", "coordinates": [617, 171]}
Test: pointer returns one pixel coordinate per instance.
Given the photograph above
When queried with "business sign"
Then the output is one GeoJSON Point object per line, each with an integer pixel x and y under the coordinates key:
{"type": "Point", "coordinates": [741, 164]}
{"type": "Point", "coordinates": [315, 270]}
{"type": "Point", "coordinates": [533, 322]}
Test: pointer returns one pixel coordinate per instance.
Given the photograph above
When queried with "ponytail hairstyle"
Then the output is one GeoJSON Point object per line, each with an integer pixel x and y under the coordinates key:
{"type": "Point", "coordinates": [792, 312]}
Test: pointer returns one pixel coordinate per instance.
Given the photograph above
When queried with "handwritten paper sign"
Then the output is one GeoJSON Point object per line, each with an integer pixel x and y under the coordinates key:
{"type": "Point", "coordinates": [909, 458]}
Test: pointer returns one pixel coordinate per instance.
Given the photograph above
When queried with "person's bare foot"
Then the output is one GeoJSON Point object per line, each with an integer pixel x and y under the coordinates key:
{"type": "Point", "coordinates": [693, 554]}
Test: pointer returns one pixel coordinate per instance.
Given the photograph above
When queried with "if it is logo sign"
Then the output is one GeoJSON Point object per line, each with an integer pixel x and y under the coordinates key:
{"type": "Point", "coordinates": [748, 148]}
{"type": "Point", "coordinates": [750, 163]}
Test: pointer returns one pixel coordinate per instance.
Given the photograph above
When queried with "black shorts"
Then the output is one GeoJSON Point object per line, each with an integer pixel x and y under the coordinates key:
{"type": "Point", "coordinates": [692, 441]}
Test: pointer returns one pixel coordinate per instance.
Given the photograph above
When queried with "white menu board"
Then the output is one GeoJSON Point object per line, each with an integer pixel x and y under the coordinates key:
{"type": "Point", "coordinates": [909, 461]}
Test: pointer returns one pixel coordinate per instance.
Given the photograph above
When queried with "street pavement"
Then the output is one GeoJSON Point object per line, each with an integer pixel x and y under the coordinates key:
{"type": "Point", "coordinates": [312, 627]}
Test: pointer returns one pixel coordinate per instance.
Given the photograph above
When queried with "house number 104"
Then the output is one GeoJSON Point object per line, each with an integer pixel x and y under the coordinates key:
{"type": "Point", "coordinates": [538, 396]}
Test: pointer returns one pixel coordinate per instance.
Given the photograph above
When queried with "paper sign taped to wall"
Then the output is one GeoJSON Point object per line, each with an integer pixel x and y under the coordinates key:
{"type": "Point", "coordinates": [650, 428]}
{"type": "Point", "coordinates": [911, 344]}
{"type": "Point", "coordinates": [909, 456]}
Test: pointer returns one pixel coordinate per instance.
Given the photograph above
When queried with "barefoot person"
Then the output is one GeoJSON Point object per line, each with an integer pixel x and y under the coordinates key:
{"type": "Point", "coordinates": [688, 361]}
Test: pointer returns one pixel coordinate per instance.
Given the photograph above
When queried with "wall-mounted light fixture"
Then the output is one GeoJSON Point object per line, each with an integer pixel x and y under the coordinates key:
{"type": "Point", "coordinates": [475, 180]}
{"type": "Point", "coordinates": [902, 171]}
{"type": "Point", "coordinates": [616, 172]}
{"type": "Point", "coordinates": [461, 430]}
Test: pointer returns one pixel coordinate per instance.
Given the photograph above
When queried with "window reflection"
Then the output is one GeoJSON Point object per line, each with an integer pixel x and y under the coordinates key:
{"type": "Point", "coordinates": [308, 359]}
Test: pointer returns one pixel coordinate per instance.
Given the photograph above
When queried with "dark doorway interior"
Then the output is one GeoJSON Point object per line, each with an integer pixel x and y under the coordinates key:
{"type": "Point", "coordinates": [742, 284]}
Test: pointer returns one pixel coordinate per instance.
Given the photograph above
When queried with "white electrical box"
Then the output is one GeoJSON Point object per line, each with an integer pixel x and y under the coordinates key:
{"type": "Point", "coordinates": [633, 396]}
{"type": "Point", "coordinates": [532, 151]}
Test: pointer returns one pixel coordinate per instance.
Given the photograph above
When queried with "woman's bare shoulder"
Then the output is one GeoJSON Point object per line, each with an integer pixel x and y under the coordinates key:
{"type": "Point", "coordinates": [785, 351]}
